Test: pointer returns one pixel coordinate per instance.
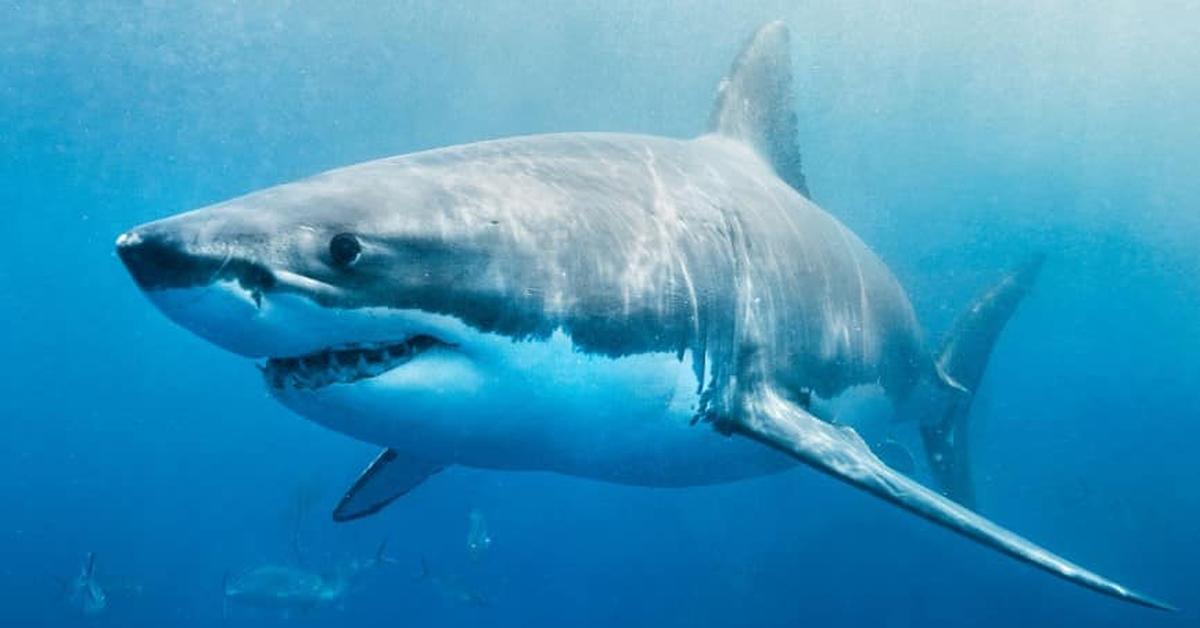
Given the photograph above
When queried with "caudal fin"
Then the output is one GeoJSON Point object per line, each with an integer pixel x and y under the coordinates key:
{"type": "Point", "coordinates": [961, 364]}
{"type": "Point", "coordinates": [381, 555]}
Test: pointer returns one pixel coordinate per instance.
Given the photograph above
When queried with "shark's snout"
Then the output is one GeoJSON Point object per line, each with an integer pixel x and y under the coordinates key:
{"type": "Point", "coordinates": [158, 260]}
{"type": "Point", "coordinates": [232, 285]}
{"type": "Point", "coordinates": [154, 260]}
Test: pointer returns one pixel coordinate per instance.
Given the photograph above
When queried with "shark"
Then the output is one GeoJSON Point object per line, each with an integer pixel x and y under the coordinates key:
{"type": "Point", "coordinates": [628, 308]}
{"type": "Point", "coordinates": [84, 591]}
{"type": "Point", "coordinates": [290, 589]}
{"type": "Point", "coordinates": [91, 595]}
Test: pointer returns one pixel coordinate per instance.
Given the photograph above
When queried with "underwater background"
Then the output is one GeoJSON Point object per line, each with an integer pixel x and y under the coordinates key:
{"type": "Point", "coordinates": [953, 137]}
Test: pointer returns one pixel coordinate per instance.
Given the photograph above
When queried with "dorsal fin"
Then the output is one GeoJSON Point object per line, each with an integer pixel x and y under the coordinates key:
{"type": "Point", "coordinates": [754, 103]}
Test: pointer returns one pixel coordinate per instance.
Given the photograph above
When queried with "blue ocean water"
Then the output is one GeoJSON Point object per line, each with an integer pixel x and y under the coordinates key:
{"type": "Point", "coordinates": [954, 137]}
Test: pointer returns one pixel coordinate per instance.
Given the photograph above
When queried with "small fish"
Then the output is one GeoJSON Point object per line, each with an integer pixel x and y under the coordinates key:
{"type": "Point", "coordinates": [478, 539]}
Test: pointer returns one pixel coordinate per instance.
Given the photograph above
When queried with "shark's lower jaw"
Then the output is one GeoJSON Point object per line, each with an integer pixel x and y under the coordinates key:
{"type": "Point", "coordinates": [344, 364]}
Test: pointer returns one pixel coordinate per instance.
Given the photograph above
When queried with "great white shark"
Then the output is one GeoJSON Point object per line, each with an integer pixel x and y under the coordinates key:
{"type": "Point", "coordinates": [586, 303]}
{"type": "Point", "coordinates": [289, 589]}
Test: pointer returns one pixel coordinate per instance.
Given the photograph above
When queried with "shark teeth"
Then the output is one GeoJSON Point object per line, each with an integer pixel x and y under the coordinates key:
{"type": "Point", "coordinates": [343, 365]}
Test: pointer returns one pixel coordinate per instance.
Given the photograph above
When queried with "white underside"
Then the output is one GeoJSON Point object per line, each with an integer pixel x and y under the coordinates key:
{"type": "Point", "coordinates": [495, 402]}
{"type": "Point", "coordinates": [541, 405]}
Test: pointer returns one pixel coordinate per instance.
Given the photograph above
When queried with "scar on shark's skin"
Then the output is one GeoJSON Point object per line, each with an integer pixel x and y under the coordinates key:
{"type": "Point", "coordinates": [577, 302]}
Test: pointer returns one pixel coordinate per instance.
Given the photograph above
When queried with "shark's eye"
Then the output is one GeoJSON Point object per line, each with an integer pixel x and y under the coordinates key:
{"type": "Point", "coordinates": [344, 249]}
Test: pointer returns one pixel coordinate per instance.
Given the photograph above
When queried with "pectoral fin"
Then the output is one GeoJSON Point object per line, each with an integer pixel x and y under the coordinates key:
{"type": "Point", "coordinates": [839, 452]}
{"type": "Point", "coordinates": [387, 478]}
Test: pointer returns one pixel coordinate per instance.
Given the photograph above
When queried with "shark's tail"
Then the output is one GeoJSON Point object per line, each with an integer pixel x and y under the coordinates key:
{"type": "Point", "coordinates": [960, 367]}
{"type": "Point", "coordinates": [381, 557]}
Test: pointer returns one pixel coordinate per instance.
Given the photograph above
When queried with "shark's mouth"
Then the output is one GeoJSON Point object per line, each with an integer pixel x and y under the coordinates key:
{"type": "Point", "coordinates": [345, 364]}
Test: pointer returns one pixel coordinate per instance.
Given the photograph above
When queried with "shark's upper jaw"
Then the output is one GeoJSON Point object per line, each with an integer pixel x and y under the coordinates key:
{"type": "Point", "coordinates": [345, 364]}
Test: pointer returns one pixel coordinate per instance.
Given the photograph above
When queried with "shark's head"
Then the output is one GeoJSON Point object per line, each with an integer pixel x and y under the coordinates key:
{"type": "Point", "coordinates": [400, 289]}
{"type": "Point", "coordinates": [301, 268]}
{"type": "Point", "coordinates": [379, 273]}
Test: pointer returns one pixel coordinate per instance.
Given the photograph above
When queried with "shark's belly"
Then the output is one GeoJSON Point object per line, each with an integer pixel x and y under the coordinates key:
{"type": "Point", "coordinates": [626, 420]}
